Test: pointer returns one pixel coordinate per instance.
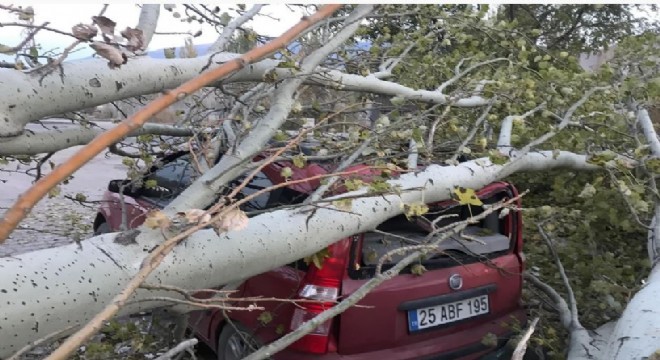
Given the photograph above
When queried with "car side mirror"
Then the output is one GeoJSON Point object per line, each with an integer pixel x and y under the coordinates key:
{"type": "Point", "coordinates": [125, 187]}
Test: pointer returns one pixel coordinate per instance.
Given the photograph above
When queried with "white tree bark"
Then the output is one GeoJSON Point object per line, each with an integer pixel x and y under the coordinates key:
{"type": "Point", "coordinates": [88, 83]}
{"type": "Point", "coordinates": [228, 31]}
{"type": "Point", "coordinates": [637, 331]}
{"type": "Point", "coordinates": [52, 140]}
{"type": "Point", "coordinates": [44, 291]}
{"type": "Point", "coordinates": [148, 21]}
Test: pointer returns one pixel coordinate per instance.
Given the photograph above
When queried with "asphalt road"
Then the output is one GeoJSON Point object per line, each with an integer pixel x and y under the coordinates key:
{"type": "Point", "coordinates": [56, 221]}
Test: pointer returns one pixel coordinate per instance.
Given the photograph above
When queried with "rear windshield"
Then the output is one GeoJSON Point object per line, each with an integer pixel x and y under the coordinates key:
{"type": "Point", "coordinates": [485, 240]}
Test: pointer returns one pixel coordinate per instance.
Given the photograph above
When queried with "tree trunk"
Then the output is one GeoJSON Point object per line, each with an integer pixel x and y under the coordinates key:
{"type": "Point", "coordinates": [44, 291]}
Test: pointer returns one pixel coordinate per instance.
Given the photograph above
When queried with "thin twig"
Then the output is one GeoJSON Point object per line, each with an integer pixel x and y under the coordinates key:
{"type": "Point", "coordinates": [572, 303]}
{"type": "Point", "coordinates": [458, 76]}
{"type": "Point", "coordinates": [474, 130]}
{"type": "Point", "coordinates": [181, 347]}
{"type": "Point", "coordinates": [25, 41]}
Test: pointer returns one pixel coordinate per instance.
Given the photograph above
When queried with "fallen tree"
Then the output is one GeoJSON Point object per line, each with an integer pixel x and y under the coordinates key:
{"type": "Point", "coordinates": [47, 290]}
{"type": "Point", "coordinates": [223, 259]}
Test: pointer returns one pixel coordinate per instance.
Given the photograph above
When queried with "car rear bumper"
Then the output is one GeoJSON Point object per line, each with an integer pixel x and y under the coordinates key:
{"type": "Point", "coordinates": [433, 349]}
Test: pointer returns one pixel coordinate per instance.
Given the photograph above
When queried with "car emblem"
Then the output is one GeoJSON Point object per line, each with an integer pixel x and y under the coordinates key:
{"type": "Point", "coordinates": [455, 282]}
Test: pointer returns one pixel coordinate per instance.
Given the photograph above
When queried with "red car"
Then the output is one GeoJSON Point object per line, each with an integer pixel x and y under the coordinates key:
{"type": "Point", "coordinates": [465, 304]}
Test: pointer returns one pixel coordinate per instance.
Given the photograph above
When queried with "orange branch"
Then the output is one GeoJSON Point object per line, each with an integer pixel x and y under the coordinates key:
{"type": "Point", "coordinates": [34, 194]}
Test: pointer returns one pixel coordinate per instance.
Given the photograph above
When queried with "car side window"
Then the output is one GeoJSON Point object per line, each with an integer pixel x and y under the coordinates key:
{"type": "Point", "coordinates": [259, 182]}
{"type": "Point", "coordinates": [175, 175]}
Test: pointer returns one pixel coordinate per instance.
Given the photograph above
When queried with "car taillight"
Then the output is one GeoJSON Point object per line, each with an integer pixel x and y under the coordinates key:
{"type": "Point", "coordinates": [323, 285]}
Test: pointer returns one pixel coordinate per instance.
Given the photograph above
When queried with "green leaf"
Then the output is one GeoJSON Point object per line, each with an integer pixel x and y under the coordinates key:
{"type": "Point", "coordinates": [271, 76]}
{"type": "Point", "coordinates": [415, 209]}
{"type": "Point", "coordinates": [397, 100]}
{"type": "Point", "coordinates": [418, 269]}
{"type": "Point", "coordinates": [150, 184]}
{"type": "Point", "coordinates": [489, 340]}
{"type": "Point", "coordinates": [286, 172]}
{"type": "Point", "coordinates": [169, 53]}
{"type": "Point", "coordinates": [353, 184]}
{"type": "Point", "coordinates": [466, 196]}
{"type": "Point", "coordinates": [55, 191]}
{"type": "Point", "coordinates": [317, 258]}
{"type": "Point", "coordinates": [280, 136]}
{"type": "Point", "coordinates": [224, 19]}
{"type": "Point", "coordinates": [299, 161]}
{"type": "Point", "coordinates": [602, 157]}
{"type": "Point", "coordinates": [265, 317]}
{"type": "Point", "coordinates": [653, 165]}
{"type": "Point", "coordinates": [343, 204]}
{"type": "Point", "coordinates": [379, 186]}
{"type": "Point", "coordinates": [289, 64]}
{"type": "Point", "coordinates": [497, 158]}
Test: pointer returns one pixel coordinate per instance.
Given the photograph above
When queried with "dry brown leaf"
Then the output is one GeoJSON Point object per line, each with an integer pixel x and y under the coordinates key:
{"type": "Point", "coordinates": [195, 216]}
{"type": "Point", "coordinates": [134, 38]}
{"type": "Point", "coordinates": [115, 57]}
{"type": "Point", "coordinates": [234, 220]}
{"type": "Point", "coordinates": [84, 31]}
{"type": "Point", "coordinates": [157, 219]}
{"type": "Point", "coordinates": [106, 25]}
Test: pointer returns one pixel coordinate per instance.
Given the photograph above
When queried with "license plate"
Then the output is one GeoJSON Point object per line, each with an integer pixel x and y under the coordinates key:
{"type": "Point", "coordinates": [447, 313]}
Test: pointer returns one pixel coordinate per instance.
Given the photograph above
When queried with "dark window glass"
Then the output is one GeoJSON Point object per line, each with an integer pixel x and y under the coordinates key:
{"type": "Point", "coordinates": [259, 182]}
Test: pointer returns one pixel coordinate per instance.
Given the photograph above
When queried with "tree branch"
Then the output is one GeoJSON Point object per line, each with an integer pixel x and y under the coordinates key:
{"type": "Point", "coordinates": [460, 75]}
{"type": "Point", "coordinates": [645, 122]}
{"type": "Point", "coordinates": [320, 191]}
{"type": "Point", "coordinates": [565, 121]}
{"type": "Point", "coordinates": [148, 22]}
{"type": "Point", "coordinates": [504, 141]}
{"type": "Point", "coordinates": [11, 50]}
{"type": "Point", "coordinates": [413, 155]}
{"type": "Point", "coordinates": [228, 31]}
{"type": "Point", "coordinates": [475, 128]}
{"type": "Point", "coordinates": [33, 143]}
{"type": "Point", "coordinates": [434, 127]}
{"type": "Point", "coordinates": [202, 190]}
{"type": "Point", "coordinates": [521, 348]}
{"type": "Point", "coordinates": [181, 347]}
{"type": "Point", "coordinates": [572, 303]}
